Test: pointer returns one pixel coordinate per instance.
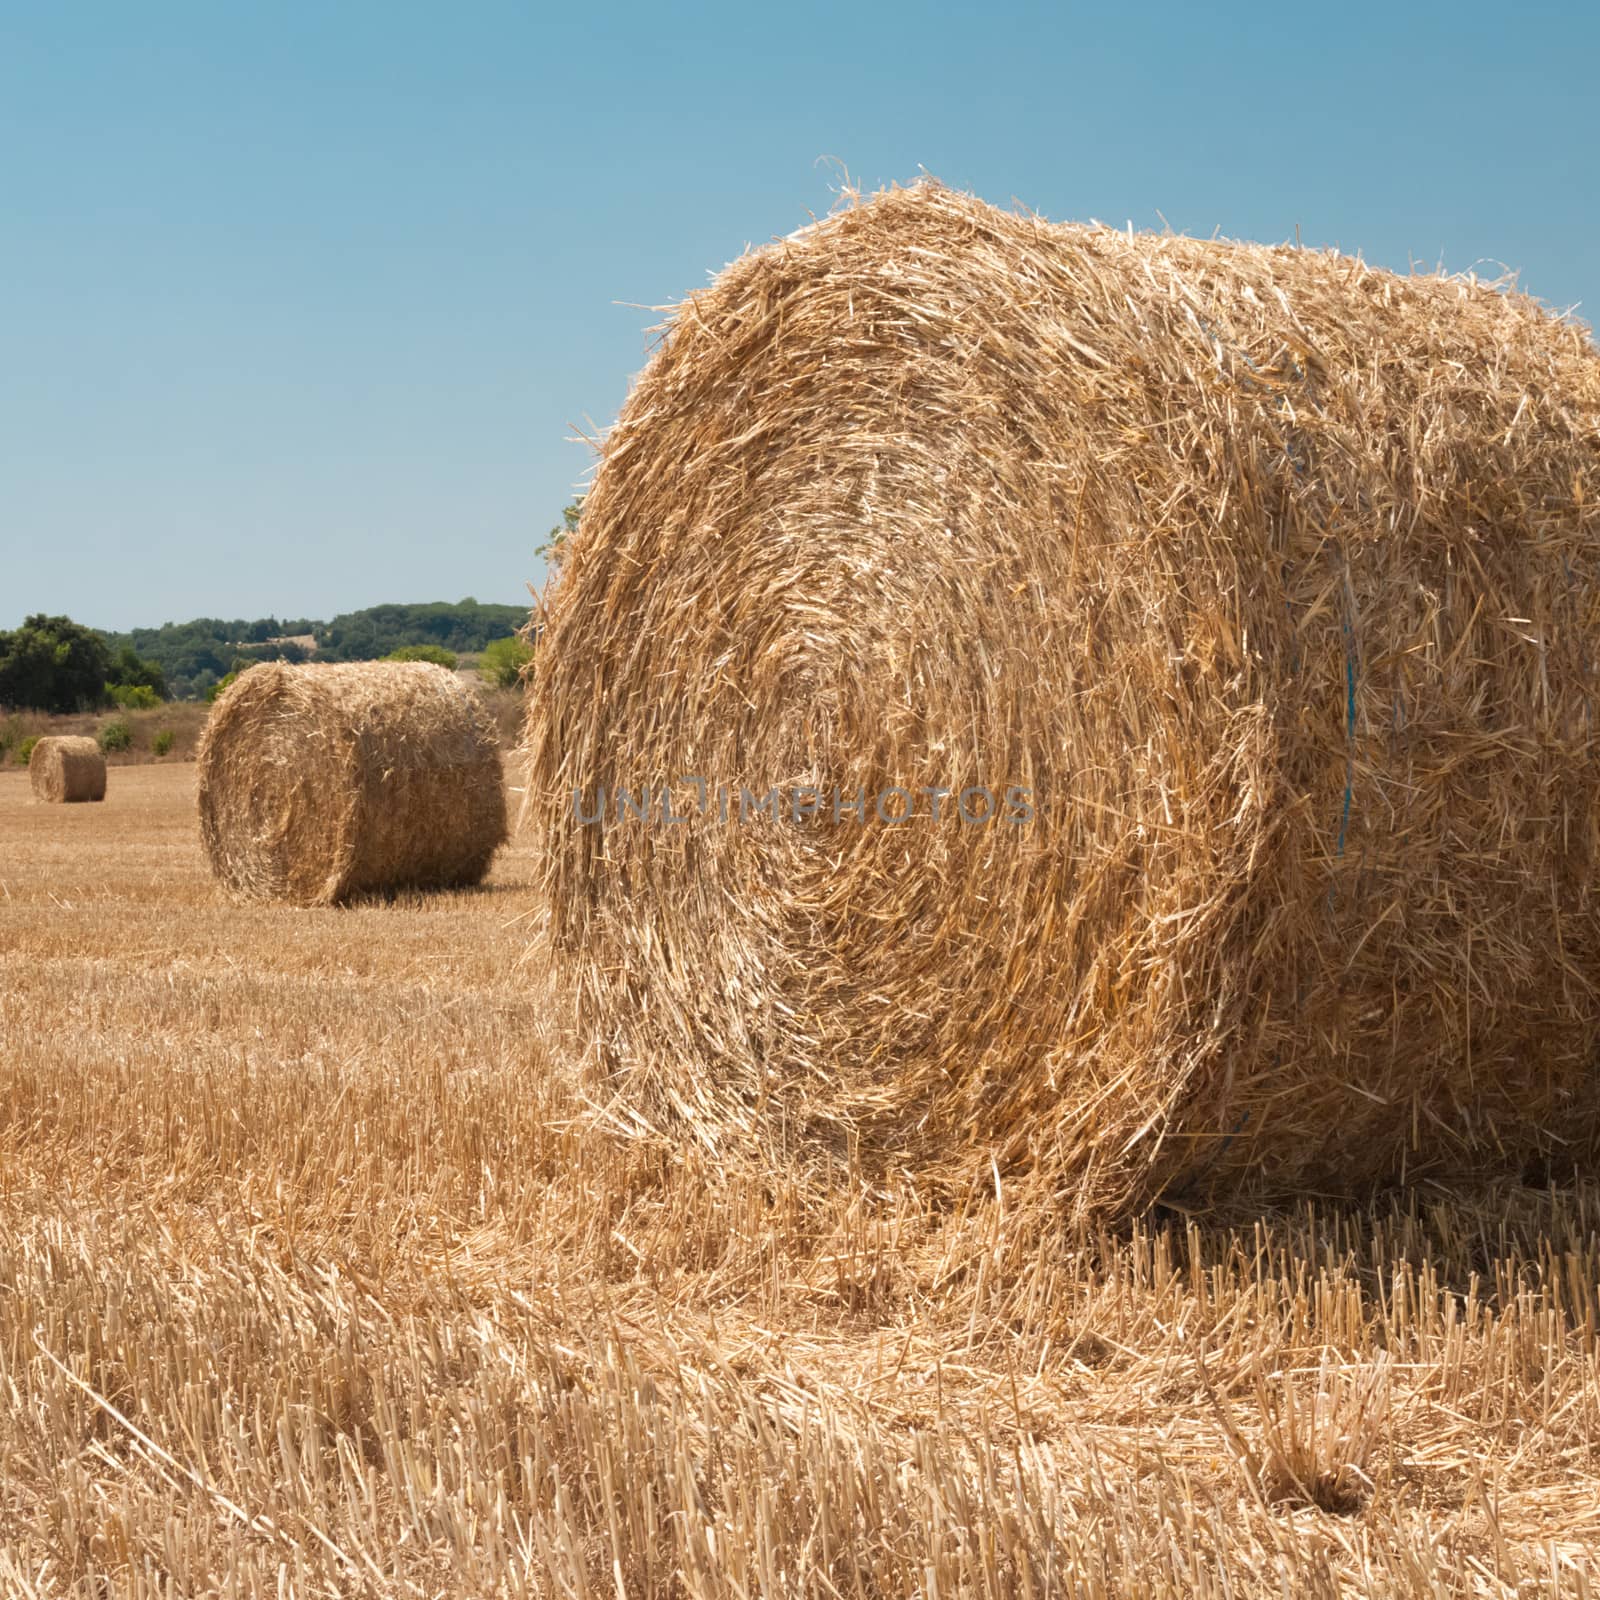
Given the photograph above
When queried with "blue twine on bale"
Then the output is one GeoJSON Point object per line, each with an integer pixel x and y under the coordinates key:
{"type": "Point", "coordinates": [1350, 751]}
{"type": "Point", "coordinates": [1350, 745]}
{"type": "Point", "coordinates": [1222, 1149]}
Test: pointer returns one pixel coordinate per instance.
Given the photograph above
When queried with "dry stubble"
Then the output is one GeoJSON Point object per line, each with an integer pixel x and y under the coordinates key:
{"type": "Point", "coordinates": [316, 1279]}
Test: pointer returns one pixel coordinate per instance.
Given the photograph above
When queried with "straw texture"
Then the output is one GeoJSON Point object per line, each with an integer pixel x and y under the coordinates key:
{"type": "Point", "coordinates": [67, 767]}
{"type": "Point", "coordinates": [317, 783]}
{"type": "Point", "coordinates": [1271, 576]}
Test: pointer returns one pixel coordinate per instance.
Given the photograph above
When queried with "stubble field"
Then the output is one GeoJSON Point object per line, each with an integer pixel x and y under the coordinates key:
{"type": "Point", "coordinates": [318, 1276]}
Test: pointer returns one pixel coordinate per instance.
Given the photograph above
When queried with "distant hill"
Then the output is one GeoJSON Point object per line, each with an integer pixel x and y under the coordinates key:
{"type": "Point", "coordinates": [194, 655]}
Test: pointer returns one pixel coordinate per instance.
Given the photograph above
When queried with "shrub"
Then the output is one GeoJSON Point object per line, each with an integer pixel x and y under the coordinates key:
{"type": "Point", "coordinates": [162, 743]}
{"type": "Point", "coordinates": [436, 653]}
{"type": "Point", "coordinates": [133, 696]}
{"type": "Point", "coordinates": [116, 735]}
{"type": "Point", "coordinates": [129, 671]}
{"type": "Point", "coordinates": [503, 661]}
{"type": "Point", "coordinates": [25, 749]}
{"type": "Point", "coordinates": [226, 682]}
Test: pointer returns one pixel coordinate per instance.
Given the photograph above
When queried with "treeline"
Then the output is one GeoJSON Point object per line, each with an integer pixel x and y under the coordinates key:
{"type": "Point", "coordinates": [465, 628]}
{"type": "Point", "coordinates": [195, 656]}
{"type": "Point", "coordinates": [56, 664]}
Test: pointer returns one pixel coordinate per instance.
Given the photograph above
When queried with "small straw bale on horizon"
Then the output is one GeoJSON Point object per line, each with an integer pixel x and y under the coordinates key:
{"type": "Point", "coordinates": [67, 768]}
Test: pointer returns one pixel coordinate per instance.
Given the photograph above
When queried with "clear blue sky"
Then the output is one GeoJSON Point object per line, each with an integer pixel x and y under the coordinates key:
{"type": "Point", "coordinates": [300, 302]}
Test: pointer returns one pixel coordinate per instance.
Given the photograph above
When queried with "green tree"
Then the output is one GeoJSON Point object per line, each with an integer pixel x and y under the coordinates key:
{"type": "Point", "coordinates": [436, 653]}
{"type": "Point", "coordinates": [503, 660]}
{"type": "Point", "coordinates": [554, 549]}
{"type": "Point", "coordinates": [53, 664]}
{"type": "Point", "coordinates": [241, 664]}
{"type": "Point", "coordinates": [133, 696]}
{"type": "Point", "coordinates": [129, 670]}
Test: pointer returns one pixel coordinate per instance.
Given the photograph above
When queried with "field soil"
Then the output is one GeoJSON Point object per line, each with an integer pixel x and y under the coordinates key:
{"type": "Point", "coordinates": [320, 1274]}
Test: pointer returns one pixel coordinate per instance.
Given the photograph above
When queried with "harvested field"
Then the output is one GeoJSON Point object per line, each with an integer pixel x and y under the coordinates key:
{"type": "Point", "coordinates": [318, 1277]}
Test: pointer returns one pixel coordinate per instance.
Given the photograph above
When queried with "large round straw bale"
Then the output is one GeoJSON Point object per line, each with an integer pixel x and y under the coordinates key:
{"type": "Point", "coordinates": [1272, 577]}
{"type": "Point", "coordinates": [321, 782]}
{"type": "Point", "coordinates": [67, 767]}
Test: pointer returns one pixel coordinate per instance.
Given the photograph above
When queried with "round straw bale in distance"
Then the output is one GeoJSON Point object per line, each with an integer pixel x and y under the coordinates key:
{"type": "Point", "coordinates": [67, 767]}
{"type": "Point", "coordinates": [1271, 576]}
{"type": "Point", "coordinates": [321, 782]}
